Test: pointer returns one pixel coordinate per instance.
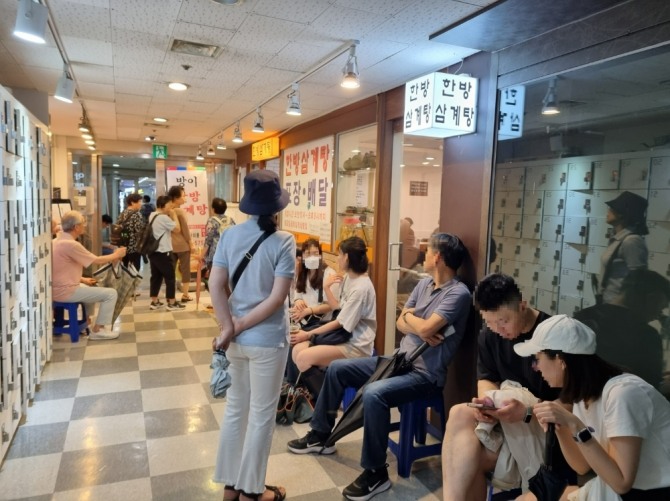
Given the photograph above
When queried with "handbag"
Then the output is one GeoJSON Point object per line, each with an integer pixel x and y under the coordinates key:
{"type": "Point", "coordinates": [295, 405]}
{"type": "Point", "coordinates": [334, 337]}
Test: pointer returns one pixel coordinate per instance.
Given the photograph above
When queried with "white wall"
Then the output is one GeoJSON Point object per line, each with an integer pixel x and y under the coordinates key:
{"type": "Point", "coordinates": [424, 211]}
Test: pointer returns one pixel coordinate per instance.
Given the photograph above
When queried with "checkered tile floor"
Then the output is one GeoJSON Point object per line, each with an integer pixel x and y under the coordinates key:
{"type": "Point", "coordinates": [132, 419]}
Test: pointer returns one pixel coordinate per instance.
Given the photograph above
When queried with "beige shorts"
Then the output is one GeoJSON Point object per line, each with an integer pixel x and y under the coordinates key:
{"type": "Point", "coordinates": [351, 351]}
{"type": "Point", "coordinates": [184, 259]}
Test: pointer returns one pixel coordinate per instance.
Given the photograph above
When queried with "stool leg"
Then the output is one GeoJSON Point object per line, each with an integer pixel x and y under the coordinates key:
{"type": "Point", "coordinates": [406, 440]}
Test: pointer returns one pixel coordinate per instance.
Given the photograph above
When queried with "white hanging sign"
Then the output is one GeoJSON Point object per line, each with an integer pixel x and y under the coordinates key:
{"type": "Point", "coordinates": [510, 116]}
{"type": "Point", "coordinates": [441, 105]}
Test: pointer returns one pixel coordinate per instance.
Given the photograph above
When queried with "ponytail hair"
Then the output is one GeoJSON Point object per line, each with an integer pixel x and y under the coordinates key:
{"type": "Point", "coordinates": [267, 223]}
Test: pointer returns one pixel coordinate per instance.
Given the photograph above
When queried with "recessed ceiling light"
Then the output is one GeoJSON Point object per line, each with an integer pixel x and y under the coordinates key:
{"type": "Point", "coordinates": [425, 163]}
{"type": "Point", "coordinates": [402, 165]}
{"type": "Point", "coordinates": [407, 144]}
{"type": "Point", "coordinates": [75, 163]}
{"type": "Point", "coordinates": [436, 165]}
{"type": "Point", "coordinates": [178, 86]}
{"type": "Point", "coordinates": [115, 165]}
{"type": "Point", "coordinates": [355, 150]}
{"type": "Point", "coordinates": [160, 119]}
{"type": "Point", "coordinates": [430, 158]}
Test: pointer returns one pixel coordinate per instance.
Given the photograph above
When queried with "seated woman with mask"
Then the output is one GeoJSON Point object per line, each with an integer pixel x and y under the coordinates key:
{"type": "Point", "coordinates": [312, 302]}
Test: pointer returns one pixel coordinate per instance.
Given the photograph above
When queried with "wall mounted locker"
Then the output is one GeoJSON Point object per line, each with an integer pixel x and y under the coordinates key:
{"type": "Point", "coordinates": [579, 203]}
{"type": "Point", "coordinates": [546, 177]}
{"type": "Point", "coordinates": [10, 143]}
{"type": "Point", "coordinates": [498, 224]}
{"type": "Point", "coordinates": [511, 179]}
{"type": "Point", "coordinates": [524, 274]}
{"type": "Point", "coordinates": [574, 256]}
{"type": "Point", "coordinates": [659, 205]}
{"type": "Point", "coordinates": [514, 204]}
{"type": "Point", "coordinates": [580, 175]}
{"type": "Point", "coordinates": [574, 282]}
{"type": "Point", "coordinates": [500, 202]}
{"type": "Point", "coordinates": [660, 263]}
{"type": "Point", "coordinates": [576, 230]}
{"type": "Point", "coordinates": [4, 229]}
{"type": "Point", "coordinates": [599, 206]}
{"type": "Point", "coordinates": [19, 138]}
{"type": "Point", "coordinates": [512, 226]}
{"type": "Point", "coordinates": [554, 203]}
{"type": "Point", "coordinates": [507, 266]}
{"type": "Point", "coordinates": [660, 174]}
{"type": "Point", "coordinates": [547, 277]}
{"type": "Point", "coordinates": [553, 228]}
{"type": "Point", "coordinates": [606, 174]}
{"type": "Point", "coordinates": [506, 247]}
{"type": "Point", "coordinates": [658, 239]}
{"type": "Point", "coordinates": [529, 250]}
{"type": "Point", "coordinates": [550, 253]}
{"type": "Point", "coordinates": [598, 231]}
{"type": "Point", "coordinates": [547, 301]}
{"type": "Point", "coordinates": [21, 227]}
{"type": "Point", "coordinates": [533, 202]}
{"type": "Point", "coordinates": [529, 294]}
{"type": "Point", "coordinates": [593, 259]}
{"type": "Point", "coordinates": [8, 191]}
{"type": "Point", "coordinates": [531, 227]}
{"type": "Point", "coordinates": [634, 174]}
{"type": "Point", "coordinates": [569, 305]}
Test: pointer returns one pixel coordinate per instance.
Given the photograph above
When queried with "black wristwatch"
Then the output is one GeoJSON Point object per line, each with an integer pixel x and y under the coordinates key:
{"type": "Point", "coordinates": [529, 415]}
{"type": "Point", "coordinates": [584, 435]}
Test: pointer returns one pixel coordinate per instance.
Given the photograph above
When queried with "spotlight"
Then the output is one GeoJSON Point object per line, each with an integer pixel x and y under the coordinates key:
{"type": "Point", "coordinates": [258, 124]}
{"type": "Point", "coordinates": [150, 138]}
{"type": "Point", "coordinates": [31, 21]}
{"type": "Point", "coordinates": [87, 135]}
{"type": "Point", "coordinates": [210, 150]}
{"type": "Point", "coordinates": [350, 70]}
{"type": "Point", "coordinates": [237, 135]}
{"type": "Point", "coordinates": [178, 86]}
{"type": "Point", "coordinates": [65, 88]}
{"type": "Point", "coordinates": [84, 126]}
{"type": "Point", "coordinates": [550, 103]}
{"type": "Point", "coordinates": [160, 119]}
{"type": "Point", "coordinates": [293, 106]}
{"type": "Point", "coordinates": [90, 142]}
{"type": "Point", "coordinates": [199, 155]}
{"type": "Point", "coordinates": [221, 146]}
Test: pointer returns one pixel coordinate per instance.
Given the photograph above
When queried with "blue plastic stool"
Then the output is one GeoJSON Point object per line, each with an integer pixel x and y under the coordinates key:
{"type": "Point", "coordinates": [72, 325]}
{"type": "Point", "coordinates": [413, 427]}
{"type": "Point", "coordinates": [350, 392]}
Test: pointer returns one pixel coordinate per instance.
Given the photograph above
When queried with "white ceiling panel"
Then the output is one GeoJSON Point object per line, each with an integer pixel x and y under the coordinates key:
{"type": "Point", "coordinates": [297, 56]}
{"type": "Point", "coordinates": [265, 34]}
{"type": "Point", "coordinates": [103, 92]}
{"type": "Point", "coordinates": [86, 50]}
{"type": "Point", "coordinates": [386, 7]}
{"type": "Point", "coordinates": [198, 33]}
{"type": "Point", "coordinates": [212, 14]}
{"type": "Point", "coordinates": [136, 87]}
{"type": "Point", "coordinates": [80, 20]}
{"type": "Point", "coordinates": [345, 23]}
{"type": "Point", "coordinates": [34, 55]}
{"type": "Point", "coordinates": [299, 11]}
{"type": "Point", "coordinates": [94, 73]}
{"type": "Point", "coordinates": [146, 16]}
{"type": "Point", "coordinates": [44, 79]}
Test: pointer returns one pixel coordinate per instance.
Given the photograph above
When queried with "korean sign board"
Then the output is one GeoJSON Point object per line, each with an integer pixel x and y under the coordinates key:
{"type": "Point", "coordinates": [307, 174]}
{"type": "Point", "coordinates": [510, 117]}
{"type": "Point", "coordinates": [441, 105]}
{"type": "Point", "coordinates": [265, 149]}
{"type": "Point", "coordinates": [194, 182]}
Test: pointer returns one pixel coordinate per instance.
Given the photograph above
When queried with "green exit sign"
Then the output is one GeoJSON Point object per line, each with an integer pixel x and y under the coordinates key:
{"type": "Point", "coordinates": [160, 151]}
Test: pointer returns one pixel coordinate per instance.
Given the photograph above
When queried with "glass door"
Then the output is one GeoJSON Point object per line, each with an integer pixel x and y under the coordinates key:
{"type": "Point", "coordinates": [414, 216]}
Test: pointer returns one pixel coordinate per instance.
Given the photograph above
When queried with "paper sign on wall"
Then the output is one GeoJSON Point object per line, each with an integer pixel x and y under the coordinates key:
{"type": "Point", "coordinates": [194, 182]}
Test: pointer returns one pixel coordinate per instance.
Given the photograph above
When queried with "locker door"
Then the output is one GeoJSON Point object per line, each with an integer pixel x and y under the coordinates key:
{"type": "Point", "coordinates": [659, 205]}
{"type": "Point", "coordinates": [634, 174]}
{"type": "Point", "coordinates": [606, 175]}
{"type": "Point", "coordinates": [580, 176]}
{"type": "Point", "coordinates": [554, 203]}
{"type": "Point", "coordinates": [660, 174]}
{"type": "Point", "coordinates": [658, 239]}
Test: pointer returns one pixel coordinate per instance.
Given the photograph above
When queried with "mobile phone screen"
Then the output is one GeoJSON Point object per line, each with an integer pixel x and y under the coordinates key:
{"type": "Point", "coordinates": [482, 407]}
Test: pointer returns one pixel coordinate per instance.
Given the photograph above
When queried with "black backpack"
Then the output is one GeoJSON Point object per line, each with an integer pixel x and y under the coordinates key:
{"type": "Point", "coordinates": [149, 243]}
{"type": "Point", "coordinates": [118, 232]}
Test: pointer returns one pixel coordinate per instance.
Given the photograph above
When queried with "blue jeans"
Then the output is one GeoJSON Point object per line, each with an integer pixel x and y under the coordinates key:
{"type": "Point", "coordinates": [378, 399]}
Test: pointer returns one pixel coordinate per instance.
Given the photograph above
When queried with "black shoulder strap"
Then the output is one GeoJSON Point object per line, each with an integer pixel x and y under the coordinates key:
{"type": "Point", "coordinates": [607, 270]}
{"type": "Point", "coordinates": [247, 258]}
{"type": "Point", "coordinates": [320, 298]}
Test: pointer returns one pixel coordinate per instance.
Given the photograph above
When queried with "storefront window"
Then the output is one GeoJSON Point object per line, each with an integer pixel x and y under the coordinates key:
{"type": "Point", "coordinates": [356, 169]}
{"type": "Point", "coordinates": [576, 141]}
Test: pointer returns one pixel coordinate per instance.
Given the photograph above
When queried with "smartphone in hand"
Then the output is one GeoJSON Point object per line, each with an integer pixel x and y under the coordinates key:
{"type": "Point", "coordinates": [482, 407]}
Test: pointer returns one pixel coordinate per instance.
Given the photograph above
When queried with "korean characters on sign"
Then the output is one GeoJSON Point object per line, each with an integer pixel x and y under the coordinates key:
{"type": "Point", "coordinates": [194, 182]}
{"type": "Point", "coordinates": [441, 105]}
{"type": "Point", "coordinates": [510, 116]}
{"type": "Point", "coordinates": [307, 175]}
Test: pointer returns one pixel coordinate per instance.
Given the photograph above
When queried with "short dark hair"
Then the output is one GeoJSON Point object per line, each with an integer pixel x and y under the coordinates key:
{"type": "Point", "coordinates": [175, 192]}
{"type": "Point", "coordinates": [496, 290]}
{"type": "Point", "coordinates": [584, 376]}
{"type": "Point", "coordinates": [162, 201]}
{"type": "Point", "coordinates": [219, 206]}
{"type": "Point", "coordinates": [451, 249]}
{"type": "Point", "coordinates": [106, 218]}
{"type": "Point", "coordinates": [356, 251]}
{"type": "Point", "coordinates": [146, 198]}
{"type": "Point", "coordinates": [133, 198]}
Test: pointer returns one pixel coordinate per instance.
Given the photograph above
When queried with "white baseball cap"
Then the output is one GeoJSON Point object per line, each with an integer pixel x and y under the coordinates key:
{"type": "Point", "coordinates": [559, 333]}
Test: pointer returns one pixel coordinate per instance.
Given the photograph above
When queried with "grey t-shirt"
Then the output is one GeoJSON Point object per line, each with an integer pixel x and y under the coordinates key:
{"type": "Point", "coordinates": [626, 251]}
{"type": "Point", "coordinates": [452, 302]}
{"type": "Point", "coordinates": [358, 312]}
{"type": "Point", "coordinates": [275, 257]}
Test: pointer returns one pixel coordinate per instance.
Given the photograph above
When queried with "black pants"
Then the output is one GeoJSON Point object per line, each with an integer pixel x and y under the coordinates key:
{"type": "Point", "coordinates": [162, 268]}
{"type": "Point", "coordinates": [134, 258]}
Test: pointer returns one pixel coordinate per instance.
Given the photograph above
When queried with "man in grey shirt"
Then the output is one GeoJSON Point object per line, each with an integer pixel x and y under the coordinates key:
{"type": "Point", "coordinates": [436, 313]}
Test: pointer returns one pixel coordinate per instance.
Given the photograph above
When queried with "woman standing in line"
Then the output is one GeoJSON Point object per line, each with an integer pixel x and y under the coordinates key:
{"type": "Point", "coordinates": [254, 322]}
{"type": "Point", "coordinates": [619, 426]}
{"type": "Point", "coordinates": [163, 223]}
{"type": "Point", "coordinates": [132, 221]}
{"type": "Point", "coordinates": [182, 245]}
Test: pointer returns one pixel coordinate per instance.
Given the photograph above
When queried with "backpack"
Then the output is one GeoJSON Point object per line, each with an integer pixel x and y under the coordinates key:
{"type": "Point", "coordinates": [119, 235]}
{"type": "Point", "coordinates": [149, 243]}
{"type": "Point", "coordinates": [223, 223]}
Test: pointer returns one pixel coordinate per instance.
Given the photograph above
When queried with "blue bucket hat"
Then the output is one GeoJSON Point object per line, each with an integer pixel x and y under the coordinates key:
{"type": "Point", "coordinates": [263, 195]}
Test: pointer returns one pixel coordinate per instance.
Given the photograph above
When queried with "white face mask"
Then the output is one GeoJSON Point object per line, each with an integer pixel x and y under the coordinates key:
{"type": "Point", "coordinates": [312, 262]}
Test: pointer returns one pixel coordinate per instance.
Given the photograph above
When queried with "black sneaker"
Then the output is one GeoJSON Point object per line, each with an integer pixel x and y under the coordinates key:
{"type": "Point", "coordinates": [175, 306]}
{"type": "Point", "coordinates": [368, 484]}
{"type": "Point", "coordinates": [312, 442]}
{"type": "Point", "coordinates": [156, 305]}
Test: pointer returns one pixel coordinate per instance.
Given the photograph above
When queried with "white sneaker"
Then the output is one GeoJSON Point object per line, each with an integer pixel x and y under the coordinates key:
{"type": "Point", "coordinates": [103, 334]}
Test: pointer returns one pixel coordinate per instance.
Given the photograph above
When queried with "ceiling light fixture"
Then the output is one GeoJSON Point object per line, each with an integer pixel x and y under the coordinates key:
{"type": "Point", "coordinates": [178, 86]}
{"type": "Point", "coordinates": [237, 135]}
{"type": "Point", "coordinates": [92, 148]}
{"type": "Point", "coordinates": [228, 2]}
{"type": "Point", "coordinates": [150, 138]}
{"type": "Point", "coordinates": [31, 21]}
{"type": "Point", "coordinates": [199, 155]}
{"type": "Point", "coordinates": [350, 71]}
{"type": "Point", "coordinates": [90, 141]}
{"type": "Point", "coordinates": [160, 119]}
{"type": "Point", "coordinates": [210, 150]}
{"type": "Point", "coordinates": [550, 103]}
{"type": "Point", "coordinates": [258, 124]}
{"type": "Point", "coordinates": [293, 106]}
{"type": "Point", "coordinates": [65, 88]}
{"type": "Point", "coordinates": [87, 135]}
{"type": "Point", "coordinates": [221, 146]}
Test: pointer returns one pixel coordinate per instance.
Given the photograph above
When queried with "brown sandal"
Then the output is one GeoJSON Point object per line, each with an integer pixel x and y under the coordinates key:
{"type": "Point", "coordinates": [230, 488]}
{"type": "Point", "coordinates": [278, 495]}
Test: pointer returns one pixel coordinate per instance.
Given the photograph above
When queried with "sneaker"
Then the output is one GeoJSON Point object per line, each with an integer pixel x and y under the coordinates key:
{"type": "Point", "coordinates": [368, 484]}
{"type": "Point", "coordinates": [312, 442]}
{"type": "Point", "coordinates": [175, 306]}
{"type": "Point", "coordinates": [102, 334]}
{"type": "Point", "coordinates": [186, 299]}
{"type": "Point", "coordinates": [156, 305]}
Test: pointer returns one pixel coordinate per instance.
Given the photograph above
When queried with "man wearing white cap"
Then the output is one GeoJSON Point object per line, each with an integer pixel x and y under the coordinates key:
{"type": "Point", "coordinates": [619, 426]}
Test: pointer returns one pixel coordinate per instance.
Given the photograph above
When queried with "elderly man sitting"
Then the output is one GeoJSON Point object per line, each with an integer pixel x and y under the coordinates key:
{"type": "Point", "coordinates": [69, 260]}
